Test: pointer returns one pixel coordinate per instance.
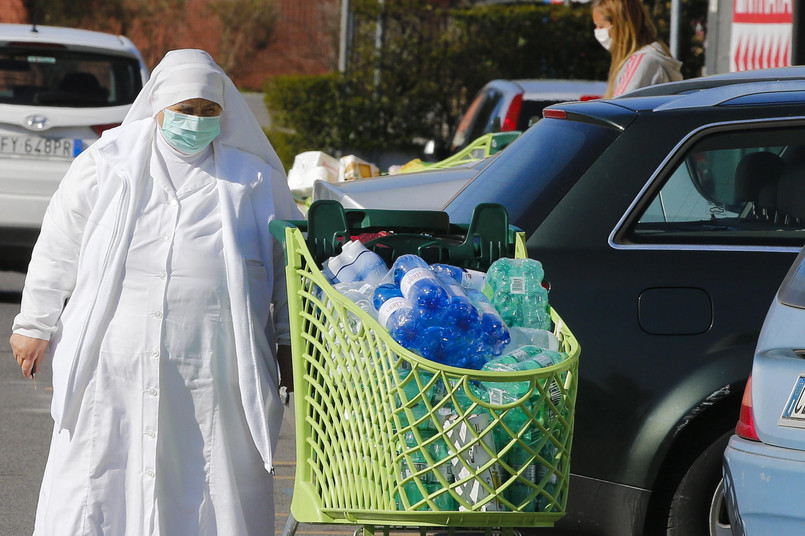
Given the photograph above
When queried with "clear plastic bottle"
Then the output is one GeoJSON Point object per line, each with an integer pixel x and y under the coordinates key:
{"type": "Point", "coordinates": [418, 463]}
{"type": "Point", "coordinates": [519, 459]}
{"type": "Point", "coordinates": [442, 457]}
{"type": "Point", "coordinates": [514, 286]}
{"type": "Point", "coordinates": [524, 358]}
{"type": "Point", "coordinates": [396, 315]}
{"type": "Point", "coordinates": [533, 337]}
{"type": "Point", "coordinates": [355, 263]}
{"type": "Point", "coordinates": [360, 293]}
{"type": "Point", "coordinates": [420, 286]}
{"type": "Point", "coordinates": [469, 279]}
{"type": "Point", "coordinates": [494, 334]}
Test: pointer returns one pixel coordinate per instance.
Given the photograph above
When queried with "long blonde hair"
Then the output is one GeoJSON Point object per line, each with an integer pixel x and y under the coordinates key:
{"type": "Point", "coordinates": [631, 30]}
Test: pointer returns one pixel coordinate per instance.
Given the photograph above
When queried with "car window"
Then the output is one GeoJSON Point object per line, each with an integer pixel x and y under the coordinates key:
{"type": "Point", "coordinates": [535, 171]}
{"type": "Point", "coordinates": [792, 291]}
{"type": "Point", "coordinates": [730, 187]}
{"type": "Point", "coordinates": [531, 112]}
{"type": "Point", "coordinates": [55, 77]}
{"type": "Point", "coordinates": [477, 119]}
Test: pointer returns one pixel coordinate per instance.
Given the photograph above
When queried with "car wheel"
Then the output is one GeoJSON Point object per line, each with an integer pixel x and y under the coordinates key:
{"type": "Point", "coordinates": [698, 507]}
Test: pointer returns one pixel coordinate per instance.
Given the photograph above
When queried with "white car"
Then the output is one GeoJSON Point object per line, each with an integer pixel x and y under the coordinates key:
{"type": "Point", "coordinates": [60, 88]}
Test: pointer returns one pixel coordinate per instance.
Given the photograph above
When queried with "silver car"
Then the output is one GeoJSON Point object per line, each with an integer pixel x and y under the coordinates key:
{"type": "Point", "coordinates": [60, 88]}
{"type": "Point", "coordinates": [764, 464]}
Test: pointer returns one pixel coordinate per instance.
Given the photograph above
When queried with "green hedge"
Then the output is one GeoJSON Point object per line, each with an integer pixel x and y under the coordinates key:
{"type": "Point", "coordinates": [433, 61]}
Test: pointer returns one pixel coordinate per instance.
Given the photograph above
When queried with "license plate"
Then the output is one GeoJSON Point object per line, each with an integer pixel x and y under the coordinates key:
{"type": "Point", "coordinates": [39, 147]}
{"type": "Point", "coordinates": [794, 411]}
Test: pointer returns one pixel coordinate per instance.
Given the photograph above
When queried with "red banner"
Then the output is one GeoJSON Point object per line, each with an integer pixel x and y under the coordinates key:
{"type": "Point", "coordinates": [761, 34]}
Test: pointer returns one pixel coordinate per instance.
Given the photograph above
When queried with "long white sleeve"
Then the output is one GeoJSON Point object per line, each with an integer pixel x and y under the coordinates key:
{"type": "Point", "coordinates": [51, 274]}
{"type": "Point", "coordinates": [285, 209]}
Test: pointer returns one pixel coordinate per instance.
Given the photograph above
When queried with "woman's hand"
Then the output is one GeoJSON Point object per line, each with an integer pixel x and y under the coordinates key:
{"type": "Point", "coordinates": [286, 367]}
{"type": "Point", "coordinates": [28, 351]}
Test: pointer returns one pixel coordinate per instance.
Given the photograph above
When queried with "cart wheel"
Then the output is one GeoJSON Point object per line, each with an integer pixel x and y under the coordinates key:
{"type": "Point", "coordinates": [291, 525]}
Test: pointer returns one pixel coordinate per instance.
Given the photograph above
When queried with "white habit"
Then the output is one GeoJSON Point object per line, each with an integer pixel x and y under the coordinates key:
{"type": "Point", "coordinates": [165, 384]}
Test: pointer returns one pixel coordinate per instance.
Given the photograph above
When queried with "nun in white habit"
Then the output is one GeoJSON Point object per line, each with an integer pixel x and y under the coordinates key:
{"type": "Point", "coordinates": [160, 295]}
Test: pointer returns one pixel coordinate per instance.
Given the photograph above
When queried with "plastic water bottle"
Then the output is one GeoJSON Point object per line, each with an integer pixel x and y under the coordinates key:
{"type": "Point", "coordinates": [514, 287]}
{"type": "Point", "coordinates": [519, 459]}
{"type": "Point", "coordinates": [355, 263]}
{"type": "Point", "coordinates": [469, 279]}
{"type": "Point", "coordinates": [418, 463]}
{"type": "Point", "coordinates": [396, 315]}
{"type": "Point", "coordinates": [442, 457]}
{"type": "Point", "coordinates": [524, 358]}
{"type": "Point", "coordinates": [460, 313]}
{"type": "Point", "coordinates": [420, 286]}
{"type": "Point", "coordinates": [360, 293]}
{"type": "Point", "coordinates": [494, 335]}
{"type": "Point", "coordinates": [532, 337]}
{"type": "Point", "coordinates": [548, 453]}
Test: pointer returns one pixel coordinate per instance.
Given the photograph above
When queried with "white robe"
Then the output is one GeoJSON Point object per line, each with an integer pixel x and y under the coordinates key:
{"type": "Point", "coordinates": [112, 364]}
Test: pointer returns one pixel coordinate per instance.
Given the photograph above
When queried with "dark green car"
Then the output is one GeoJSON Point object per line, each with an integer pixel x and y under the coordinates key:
{"type": "Point", "coordinates": [665, 221]}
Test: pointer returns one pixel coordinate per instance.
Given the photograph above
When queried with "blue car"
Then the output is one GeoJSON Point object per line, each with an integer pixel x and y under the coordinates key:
{"type": "Point", "coordinates": [764, 464]}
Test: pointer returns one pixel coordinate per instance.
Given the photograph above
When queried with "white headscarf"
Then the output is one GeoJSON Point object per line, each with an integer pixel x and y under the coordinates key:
{"type": "Point", "coordinates": [192, 74]}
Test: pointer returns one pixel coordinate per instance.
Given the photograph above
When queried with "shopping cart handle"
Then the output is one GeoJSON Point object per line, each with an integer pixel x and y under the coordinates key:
{"type": "Point", "coordinates": [277, 227]}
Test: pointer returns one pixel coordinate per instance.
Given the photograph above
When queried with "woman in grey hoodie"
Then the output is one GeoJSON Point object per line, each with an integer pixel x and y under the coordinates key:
{"type": "Point", "coordinates": [639, 58]}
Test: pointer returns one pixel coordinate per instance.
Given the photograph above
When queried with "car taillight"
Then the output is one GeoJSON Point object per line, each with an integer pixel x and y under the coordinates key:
{"type": "Point", "coordinates": [99, 129]}
{"type": "Point", "coordinates": [589, 97]}
{"type": "Point", "coordinates": [746, 423]}
{"type": "Point", "coordinates": [510, 121]}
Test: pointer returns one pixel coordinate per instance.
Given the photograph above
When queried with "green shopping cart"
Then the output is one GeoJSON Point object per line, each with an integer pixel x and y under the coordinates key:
{"type": "Point", "coordinates": [387, 438]}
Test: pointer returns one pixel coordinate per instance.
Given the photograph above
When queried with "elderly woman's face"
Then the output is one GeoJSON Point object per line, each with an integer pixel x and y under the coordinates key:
{"type": "Point", "coordinates": [198, 107]}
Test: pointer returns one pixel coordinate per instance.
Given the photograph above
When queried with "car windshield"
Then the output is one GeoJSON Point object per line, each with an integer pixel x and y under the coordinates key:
{"type": "Point", "coordinates": [535, 171]}
{"type": "Point", "coordinates": [38, 76]}
{"type": "Point", "coordinates": [477, 118]}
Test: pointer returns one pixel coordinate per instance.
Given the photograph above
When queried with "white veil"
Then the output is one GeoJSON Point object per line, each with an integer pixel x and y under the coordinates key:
{"type": "Point", "coordinates": [192, 73]}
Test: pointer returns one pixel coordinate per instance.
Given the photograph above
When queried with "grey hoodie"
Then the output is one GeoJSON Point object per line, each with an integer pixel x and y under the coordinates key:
{"type": "Point", "coordinates": [648, 66]}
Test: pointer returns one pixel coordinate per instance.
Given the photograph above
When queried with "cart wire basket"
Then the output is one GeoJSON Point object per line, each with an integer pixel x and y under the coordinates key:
{"type": "Point", "coordinates": [386, 437]}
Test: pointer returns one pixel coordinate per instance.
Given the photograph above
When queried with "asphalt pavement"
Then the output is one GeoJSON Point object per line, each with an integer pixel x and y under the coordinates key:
{"type": "Point", "coordinates": [25, 431]}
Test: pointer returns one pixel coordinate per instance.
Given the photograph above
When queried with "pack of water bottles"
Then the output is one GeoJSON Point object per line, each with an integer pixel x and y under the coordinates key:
{"type": "Point", "coordinates": [452, 315]}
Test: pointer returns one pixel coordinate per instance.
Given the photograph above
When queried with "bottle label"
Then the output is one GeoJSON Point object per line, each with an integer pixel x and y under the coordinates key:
{"type": "Point", "coordinates": [390, 306]}
{"type": "Point", "coordinates": [543, 360]}
{"type": "Point", "coordinates": [366, 288]}
{"type": "Point", "coordinates": [530, 473]}
{"type": "Point", "coordinates": [488, 309]}
{"type": "Point", "coordinates": [521, 355]}
{"type": "Point", "coordinates": [473, 280]}
{"type": "Point", "coordinates": [517, 285]}
{"type": "Point", "coordinates": [417, 274]}
{"type": "Point", "coordinates": [454, 289]}
{"type": "Point", "coordinates": [496, 396]}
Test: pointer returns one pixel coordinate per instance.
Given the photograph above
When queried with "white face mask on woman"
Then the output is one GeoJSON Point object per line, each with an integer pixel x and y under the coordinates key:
{"type": "Point", "coordinates": [603, 37]}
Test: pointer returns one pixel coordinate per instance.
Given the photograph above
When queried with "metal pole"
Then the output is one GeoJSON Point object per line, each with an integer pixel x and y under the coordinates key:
{"type": "Point", "coordinates": [676, 10]}
{"type": "Point", "coordinates": [379, 42]}
{"type": "Point", "coordinates": [797, 40]}
{"type": "Point", "coordinates": [343, 48]}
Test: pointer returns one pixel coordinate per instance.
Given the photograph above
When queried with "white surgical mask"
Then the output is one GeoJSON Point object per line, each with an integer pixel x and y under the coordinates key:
{"type": "Point", "coordinates": [603, 37]}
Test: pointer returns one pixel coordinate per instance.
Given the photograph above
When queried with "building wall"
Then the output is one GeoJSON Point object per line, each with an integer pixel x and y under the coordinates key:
{"type": "Point", "coordinates": [12, 11]}
{"type": "Point", "coordinates": [305, 40]}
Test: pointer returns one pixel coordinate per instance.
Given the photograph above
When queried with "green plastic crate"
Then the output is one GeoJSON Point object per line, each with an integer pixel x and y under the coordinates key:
{"type": "Point", "coordinates": [378, 427]}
